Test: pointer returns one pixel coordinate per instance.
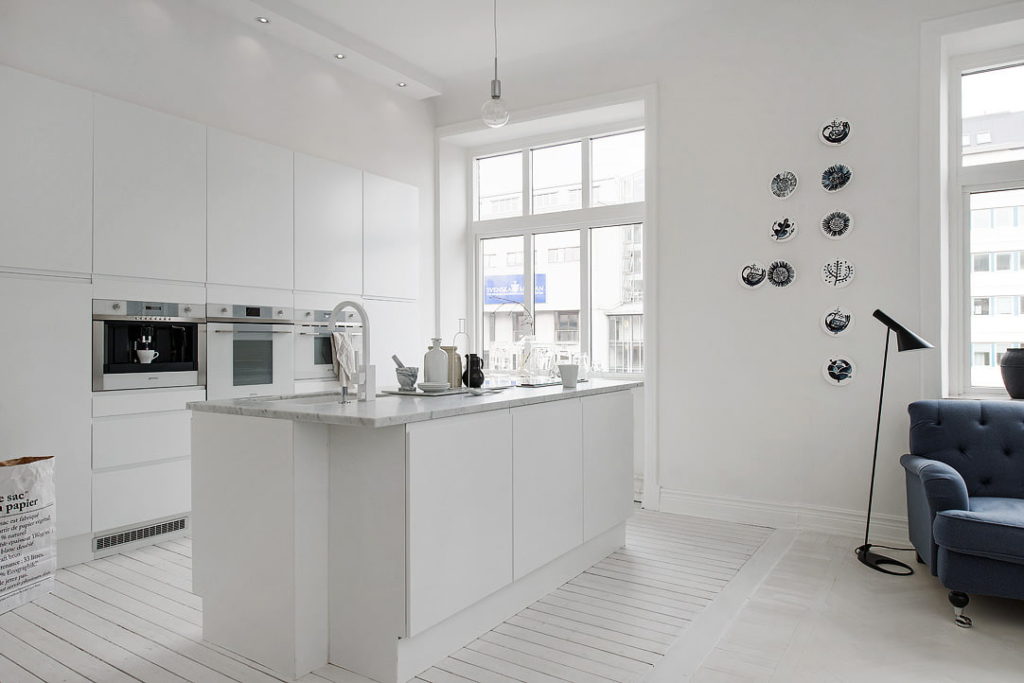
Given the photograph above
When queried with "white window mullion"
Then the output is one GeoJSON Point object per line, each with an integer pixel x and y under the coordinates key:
{"type": "Point", "coordinates": [527, 175]}
{"type": "Point", "coordinates": [584, 317]}
{"type": "Point", "coordinates": [586, 185]}
{"type": "Point", "coordinates": [529, 278]}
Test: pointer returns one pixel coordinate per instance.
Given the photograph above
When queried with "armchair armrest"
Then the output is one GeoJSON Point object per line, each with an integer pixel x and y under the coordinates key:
{"type": "Point", "coordinates": [944, 488]}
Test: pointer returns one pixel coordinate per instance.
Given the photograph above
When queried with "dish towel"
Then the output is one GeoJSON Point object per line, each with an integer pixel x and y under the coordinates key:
{"type": "Point", "coordinates": [344, 360]}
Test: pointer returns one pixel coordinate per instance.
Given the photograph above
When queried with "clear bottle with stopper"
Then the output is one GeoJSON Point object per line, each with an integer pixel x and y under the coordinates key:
{"type": "Point", "coordinates": [435, 363]}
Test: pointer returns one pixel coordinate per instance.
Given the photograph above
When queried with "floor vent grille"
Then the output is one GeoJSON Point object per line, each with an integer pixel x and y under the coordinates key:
{"type": "Point", "coordinates": [139, 534]}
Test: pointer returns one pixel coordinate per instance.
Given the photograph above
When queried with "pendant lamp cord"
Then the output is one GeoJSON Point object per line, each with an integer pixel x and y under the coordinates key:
{"type": "Point", "coordinates": [495, 39]}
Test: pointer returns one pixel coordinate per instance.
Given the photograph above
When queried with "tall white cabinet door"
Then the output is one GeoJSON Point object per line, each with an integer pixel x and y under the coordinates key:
{"type": "Point", "coordinates": [45, 404]}
{"type": "Point", "coordinates": [328, 226]}
{"type": "Point", "coordinates": [607, 461]}
{"type": "Point", "coordinates": [45, 174]}
{"type": "Point", "coordinates": [394, 330]}
{"type": "Point", "coordinates": [547, 482]}
{"type": "Point", "coordinates": [391, 250]}
{"type": "Point", "coordinates": [249, 212]}
{"type": "Point", "coordinates": [460, 513]}
{"type": "Point", "coordinates": [150, 194]}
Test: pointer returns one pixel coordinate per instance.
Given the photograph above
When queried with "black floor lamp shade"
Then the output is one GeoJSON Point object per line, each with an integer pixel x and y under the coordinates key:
{"type": "Point", "coordinates": [905, 341]}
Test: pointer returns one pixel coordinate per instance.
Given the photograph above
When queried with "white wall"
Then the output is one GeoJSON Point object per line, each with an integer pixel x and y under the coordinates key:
{"type": "Point", "coordinates": [179, 58]}
{"type": "Point", "coordinates": [743, 88]}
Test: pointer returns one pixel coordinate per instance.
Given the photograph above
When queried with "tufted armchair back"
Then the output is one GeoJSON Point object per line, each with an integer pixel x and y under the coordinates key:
{"type": "Point", "coordinates": [982, 440]}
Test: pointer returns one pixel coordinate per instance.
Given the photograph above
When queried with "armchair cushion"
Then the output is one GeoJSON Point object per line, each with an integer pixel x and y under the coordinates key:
{"type": "Point", "coordinates": [943, 486]}
{"type": "Point", "coordinates": [992, 528]}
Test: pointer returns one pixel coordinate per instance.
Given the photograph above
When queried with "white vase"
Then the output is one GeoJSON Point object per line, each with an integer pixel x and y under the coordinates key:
{"type": "Point", "coordinates": [435, 363]}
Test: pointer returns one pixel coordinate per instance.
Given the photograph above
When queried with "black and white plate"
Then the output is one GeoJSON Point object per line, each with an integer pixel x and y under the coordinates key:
{"type": "Point", "coordinates": [753, 275]}
{"type": "Point", "coordinates": [782, 230]}
{"type": "Point", "coordinates": [836, 177]}
{"type": "Point", "coordinates": [784, 184]}
{"type": "Point", "coordinates": [838, 273]}
{"type": "Point", "coordinates": [836, 321]}
{"type": "Point", "coordinates": [839, 371]}
{"type": "Point", "coordinates": [781, 273]}
{"type": "Point", "coordinates": [835, 132]}
{"type": "Point", "coordinates": [836, 224]}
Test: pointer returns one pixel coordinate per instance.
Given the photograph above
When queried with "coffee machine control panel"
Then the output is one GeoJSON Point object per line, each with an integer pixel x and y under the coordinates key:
{"type": "Point", "coordinates": [149, 311]}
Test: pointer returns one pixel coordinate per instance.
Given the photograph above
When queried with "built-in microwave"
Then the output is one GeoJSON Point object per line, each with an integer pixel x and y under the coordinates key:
{"type": "Point", "coordinates": [314, 354]}
{"type": "Point", "coordinates": [147, 344]}
{"type": "Point", "coordinates": [250, 350]}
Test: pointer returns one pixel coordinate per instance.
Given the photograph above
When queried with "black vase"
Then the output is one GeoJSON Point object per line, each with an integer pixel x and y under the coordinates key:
{"type": "Point", "coordinates": [473, 376]}
{"type": "Point", "coordinates": [1012, 369]}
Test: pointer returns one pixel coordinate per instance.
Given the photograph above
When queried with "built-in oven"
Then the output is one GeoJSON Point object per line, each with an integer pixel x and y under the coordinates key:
{"type": "Point", "coordinates": [314, 354]}
{"type": "Point", "coordinates": [147, 344]}
{"type": "Point", "coordinates": [250, 350]}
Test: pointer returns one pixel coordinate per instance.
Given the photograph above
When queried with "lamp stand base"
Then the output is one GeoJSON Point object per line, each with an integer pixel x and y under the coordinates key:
{"type": "Point", "coordinates": [880, 562]}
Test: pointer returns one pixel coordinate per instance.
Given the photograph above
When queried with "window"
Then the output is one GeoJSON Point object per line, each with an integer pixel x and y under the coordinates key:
{"type": "Point", "coordinates": [557, 177]}
{"type": "Point", "coordinates": [1004, 305]}
{"type": "Point", "coordinates": [1004, 261]}
{"type": "Point", "coordinates": [568, 327]}
{"type": "Point", "coordinates": [966, 140]}
{"type": "Point", "coordinates": [1003, 217]}
{"type": "Point", "coordinates": [992, 110]}
{"type": "Point", "coordinates": [981, 305]}
{"type": "Point", "coordinates": [982, 263]}
{"type": "Point", "coordinates": [617, 169]}
{"type": "Point", "coordinates": [981, 219]}
{"type": "Point", "coordinates": [982, 355]}
{"type": "Point", "coordinates": [499, 186]}
{"type": "Point", "coordinates": [551, 293]}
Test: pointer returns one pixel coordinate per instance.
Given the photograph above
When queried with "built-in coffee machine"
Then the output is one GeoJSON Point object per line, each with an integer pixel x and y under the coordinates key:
{"type": "Point", "coordinates": [146, 344]}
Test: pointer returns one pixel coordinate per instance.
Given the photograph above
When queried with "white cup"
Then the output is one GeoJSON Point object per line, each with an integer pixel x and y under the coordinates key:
{"type": "Point", "coordinates": [146, 356]}
{"type": "Point", "coordinates": [569, 375]}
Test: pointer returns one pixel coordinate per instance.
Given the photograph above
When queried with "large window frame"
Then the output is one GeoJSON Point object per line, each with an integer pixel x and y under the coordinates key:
{"type": "Point", "coordinates": [965, 181]}
{"type": "Point", "coordinates": [529, 225]}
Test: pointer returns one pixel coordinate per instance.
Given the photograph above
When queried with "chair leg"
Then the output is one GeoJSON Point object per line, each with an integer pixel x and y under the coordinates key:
{"type": "Point", "coordinates": [917, 556]}
{"type": "Point", "coordinates": [959, 601]}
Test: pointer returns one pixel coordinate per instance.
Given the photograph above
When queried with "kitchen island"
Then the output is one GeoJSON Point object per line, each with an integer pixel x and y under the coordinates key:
{"type": "Point", "coordinates": [382, 536]}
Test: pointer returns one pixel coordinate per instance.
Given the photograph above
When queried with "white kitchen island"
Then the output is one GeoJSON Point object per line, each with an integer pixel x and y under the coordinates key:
{"type": "Point", "coordinates": [383, 536]}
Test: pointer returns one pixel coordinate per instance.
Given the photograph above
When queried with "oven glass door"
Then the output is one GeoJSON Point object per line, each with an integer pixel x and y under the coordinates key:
{"type": "Point", "coordinates": [313, 353]}
{"type": "Point", "coordinates": [249, 359]}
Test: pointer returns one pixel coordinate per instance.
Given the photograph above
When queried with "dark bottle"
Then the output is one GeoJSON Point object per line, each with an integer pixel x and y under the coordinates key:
{"type": "Point", "coordinates": [473, 376]}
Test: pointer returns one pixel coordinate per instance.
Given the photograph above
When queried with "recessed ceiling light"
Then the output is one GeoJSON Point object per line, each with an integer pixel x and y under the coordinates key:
{"type": "Point", "coordinates": [402, 84]}
{"type": "Point", "coordinates": [339, 56]}
{"type": "Point", "coordinates": [263, 20]}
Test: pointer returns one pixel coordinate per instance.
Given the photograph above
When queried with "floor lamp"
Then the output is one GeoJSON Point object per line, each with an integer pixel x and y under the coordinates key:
{"type": "Point", "coordinates": [905, 341]}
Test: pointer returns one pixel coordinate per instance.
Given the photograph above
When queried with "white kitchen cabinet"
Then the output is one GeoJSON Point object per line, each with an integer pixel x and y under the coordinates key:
{"type": "Point", "coordinates": [547, 484]}
{"type": "Point", "coordinates": [249, 212]}
{"type": "Point", "coordinates": [459, 513]}
{"type": "Point", "coordinates": [394, 330]}
{"type": "Point", "coordinates": [47, 383]}
{"type": "Point", "coordinates": [607, 461]}
{"type": "Point", "coordinates": [45, 174]}
{"type": "Point", "coordinates": [391, 250]}
{"type": "Point", "coordinates": [328, 226]}
{"type": "Point", "coordinates": [140, 438]}
{"type": "Point", "coordinates": [123, 497]}
{"type": "Point", "coordinates": [149, 194]}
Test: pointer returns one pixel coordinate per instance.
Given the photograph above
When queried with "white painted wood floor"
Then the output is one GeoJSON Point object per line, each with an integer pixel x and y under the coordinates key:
{"type": "Point", "coordinates": [133, 617]}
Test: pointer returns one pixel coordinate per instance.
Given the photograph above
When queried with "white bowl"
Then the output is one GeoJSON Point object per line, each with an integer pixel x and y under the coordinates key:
{"type": "Point", "coordinates": [433, 387]}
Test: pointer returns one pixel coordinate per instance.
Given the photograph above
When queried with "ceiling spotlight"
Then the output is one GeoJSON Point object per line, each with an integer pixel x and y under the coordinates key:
{"type": "Point", "coordinates": [263, 20]}
{"type": "Point", "coordinates": [339, 56]}
{"type": "Point", "coordinates": [402, 84]}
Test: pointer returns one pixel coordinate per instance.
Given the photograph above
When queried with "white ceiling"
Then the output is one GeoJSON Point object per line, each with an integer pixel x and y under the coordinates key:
{"type": "Point", "coordinates": [449, 39]}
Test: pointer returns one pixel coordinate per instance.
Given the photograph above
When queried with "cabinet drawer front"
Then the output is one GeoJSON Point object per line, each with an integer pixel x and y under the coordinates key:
{"type": "Point", "coordinates": [136, 439]}
{"type": "Point", "coordinates": [144, 401]}
{"type": "Point", "coordinates": [140, 494]}
{"type": "Point", "coordinates": [459, 514]}
{"type": "Point", "coordinates": [607, 461]}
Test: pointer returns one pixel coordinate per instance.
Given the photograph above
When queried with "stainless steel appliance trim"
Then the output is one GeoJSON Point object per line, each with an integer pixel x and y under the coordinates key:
{"type": "Point", "coordinates": [252, 321]}
{"type": "Point", "coordinates": [201, 356]}
{"type": "Point", "coordinates": [97, 356]}
{"type": "Point", "coordinates": [146, 318]}
{"type": "Point", "coordinates": [252, 331]}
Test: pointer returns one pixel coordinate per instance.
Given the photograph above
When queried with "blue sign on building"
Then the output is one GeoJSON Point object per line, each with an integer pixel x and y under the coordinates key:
{"type": "Point", "coordinates": [503, 289]}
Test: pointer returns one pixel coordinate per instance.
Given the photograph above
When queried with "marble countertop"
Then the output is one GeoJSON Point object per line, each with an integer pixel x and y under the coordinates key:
{"type": "Point", "coordinates": [388, 410]}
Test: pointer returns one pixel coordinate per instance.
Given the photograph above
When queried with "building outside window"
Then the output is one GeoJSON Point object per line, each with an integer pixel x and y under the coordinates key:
{"type": "Point", "coordinates": [626, 343]}
{"type": "Point", "coordinates": [568, 327]}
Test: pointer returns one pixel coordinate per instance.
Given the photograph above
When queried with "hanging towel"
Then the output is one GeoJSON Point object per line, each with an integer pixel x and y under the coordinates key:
{"type": "Point", "coordinates": [344, 359]}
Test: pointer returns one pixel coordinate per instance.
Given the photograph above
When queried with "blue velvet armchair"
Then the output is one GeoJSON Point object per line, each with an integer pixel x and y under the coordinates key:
{"type": "Point", "coordinates": [965, 496]}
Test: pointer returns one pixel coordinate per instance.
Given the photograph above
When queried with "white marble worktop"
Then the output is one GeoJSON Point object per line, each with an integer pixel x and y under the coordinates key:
{"type": "Point", "coordinates": [389, 410]}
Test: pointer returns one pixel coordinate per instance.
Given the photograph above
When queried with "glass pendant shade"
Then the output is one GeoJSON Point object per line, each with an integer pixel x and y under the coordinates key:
{"type": "Point", "coordinates": [494, 112]}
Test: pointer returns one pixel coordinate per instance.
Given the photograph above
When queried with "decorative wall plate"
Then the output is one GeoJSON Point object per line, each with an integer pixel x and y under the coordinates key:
{"type": "Point", "coordinates": [781, 273]}
{"type": "Point", "coordinates": [835, 132]}
{"type": "Point", "coordinates": [839, 371]}
{"type": "Point", "coordinates": [836, 177]}
{"type": "Point", "coordinates": [783, 184]}
{"type": "Point", "coordinates": [837, 273]}
{"type": "Point", "coordinates": [753, 275]}
{"type": "Point", "coordinates": [836, 224]}
{"type": "Point", "coordinates": [782, 230]}
{"type": "Point", "coordinates": [836, 321]}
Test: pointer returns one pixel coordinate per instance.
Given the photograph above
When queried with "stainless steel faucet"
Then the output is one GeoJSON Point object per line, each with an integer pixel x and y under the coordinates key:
{"type": "Point", "coordinates": [366, 385]}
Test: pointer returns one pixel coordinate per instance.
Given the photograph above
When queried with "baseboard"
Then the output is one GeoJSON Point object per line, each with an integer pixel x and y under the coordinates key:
{"type": "Point", "coordinates": [840, 521]}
